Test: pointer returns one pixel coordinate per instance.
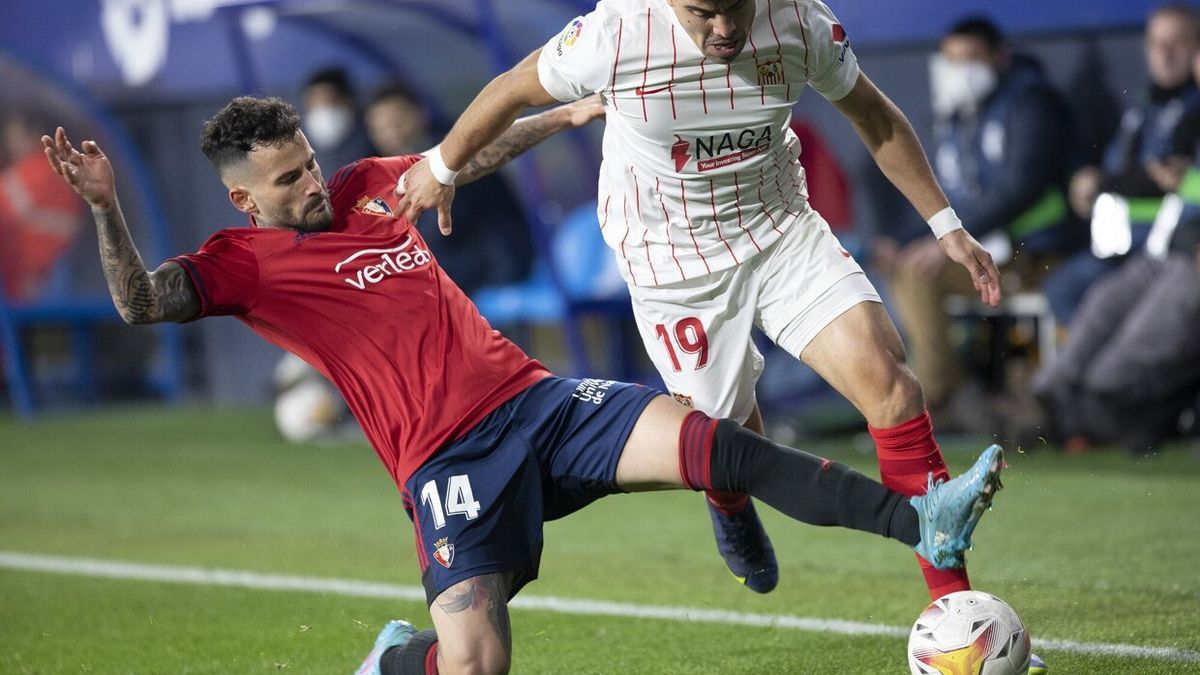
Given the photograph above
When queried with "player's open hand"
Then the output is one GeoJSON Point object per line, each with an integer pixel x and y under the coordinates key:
{"type": "Point", "coordinates": [962, 248]}
{"type": "Point", "coordinates": [584, 110]}
{"type": "Point", "coordinates": [419, 192]}
{"type": "Point", "coordinates": [88, 172]}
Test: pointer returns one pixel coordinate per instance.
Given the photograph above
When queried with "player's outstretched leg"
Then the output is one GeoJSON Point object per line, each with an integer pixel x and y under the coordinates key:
{"type": "Point", "coordinates": [722, 455]}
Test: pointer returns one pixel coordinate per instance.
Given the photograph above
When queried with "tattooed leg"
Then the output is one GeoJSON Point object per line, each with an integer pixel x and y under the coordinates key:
{"type": "Point", "coordinates": [471, 618]}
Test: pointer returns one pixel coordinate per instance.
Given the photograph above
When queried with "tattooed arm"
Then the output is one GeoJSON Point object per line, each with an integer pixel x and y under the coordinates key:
{"type": "Point", "coordinates": [528, 132]}
{"type": "Point", "coordinates": [140, 296]}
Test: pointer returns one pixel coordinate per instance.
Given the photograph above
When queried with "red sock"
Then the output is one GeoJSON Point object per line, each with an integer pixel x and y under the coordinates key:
{"type": "Point", "coordinates": [695, 446]}
{"type": "Point", "coordinates": [431, 660]}
{"type": "Point", "coordinates": [907, 454]}
{"type": "Point", "coordinates": [729, 503]}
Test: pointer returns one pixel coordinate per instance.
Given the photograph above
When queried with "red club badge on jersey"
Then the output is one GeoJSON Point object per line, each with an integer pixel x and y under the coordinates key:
{"type": "Point", "coordinates": [443, 552]}
{"type": "Point", "coordinates": [374, 207]}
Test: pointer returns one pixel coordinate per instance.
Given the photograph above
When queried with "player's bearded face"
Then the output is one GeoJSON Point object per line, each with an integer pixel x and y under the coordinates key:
{"type": "Point", "coordinates": [292, 194]}
{"type": "Point", "coordinates": [719, 27]}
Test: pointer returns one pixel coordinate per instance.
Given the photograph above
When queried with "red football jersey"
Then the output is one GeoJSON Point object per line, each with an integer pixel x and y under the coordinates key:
{"type": "Point", "coordinates": [366, 304]}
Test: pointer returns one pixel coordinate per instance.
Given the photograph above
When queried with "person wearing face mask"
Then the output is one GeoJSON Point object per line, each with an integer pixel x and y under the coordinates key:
{"type": "Point", "coordinates": [331, 117]}
{"type": "Point", "coordinates": [1160, 126]}
{"type": "Point", "coordinates": [1000, 152]}
{"type": "Point", "coordinates": [502, 252]}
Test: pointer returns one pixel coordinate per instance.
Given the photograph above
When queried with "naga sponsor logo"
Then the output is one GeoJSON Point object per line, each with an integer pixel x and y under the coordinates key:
{"type": "Point", "coordinates": [720, 150]}
{"type": "Point", "coordinates": [385, 262]}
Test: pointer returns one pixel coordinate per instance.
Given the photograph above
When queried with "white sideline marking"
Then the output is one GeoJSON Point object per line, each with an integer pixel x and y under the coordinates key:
{"type": "Point", "coordinates": [112, 569]}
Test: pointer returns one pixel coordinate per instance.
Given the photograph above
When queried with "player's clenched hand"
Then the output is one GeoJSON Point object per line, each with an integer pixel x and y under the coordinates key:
{"type": "Point", "coordinates": [962, 248]}
{"type": "Point", "coordinates": [419, 192]}
{"type": "Point", "coordinates": [88, 172]}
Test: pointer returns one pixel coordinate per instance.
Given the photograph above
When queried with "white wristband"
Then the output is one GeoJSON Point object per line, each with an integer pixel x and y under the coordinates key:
{"type": "Point", "coordinates": [444, 174]}
{"type": "Point", "coordinates": [944, 222]}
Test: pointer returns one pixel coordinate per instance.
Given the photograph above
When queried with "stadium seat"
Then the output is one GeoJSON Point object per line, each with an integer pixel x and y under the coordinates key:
{"type": "Point", "coordinates": [573, 278]}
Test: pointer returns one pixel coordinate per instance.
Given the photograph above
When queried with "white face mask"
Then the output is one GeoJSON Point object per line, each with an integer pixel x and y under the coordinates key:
{"type": "Point", "coordinates": [958, 86]}
{"type": "Point", "coordinates": [327, 126]}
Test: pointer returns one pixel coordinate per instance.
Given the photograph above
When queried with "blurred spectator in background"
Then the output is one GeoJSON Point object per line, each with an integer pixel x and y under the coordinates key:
{"type": "Point", "coordinates": [1001, 147]}
{"type": "Point", "coordinates": [1151, 132]}
{"type": "Point", "coordinates": [498, 248]}
{"type": "Point", "coordinates": [39, 213]}
{"type": "Point", "coordinates": [1131, 366]}
{"type": "Point", "coordinates": [331, 117]}
{"type": "Point", "coordinates": [1132, 363]}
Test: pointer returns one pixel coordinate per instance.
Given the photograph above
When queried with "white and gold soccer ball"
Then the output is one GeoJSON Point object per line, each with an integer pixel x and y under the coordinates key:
{"type": "Point", "coordinates": [968, 633]}
{"type": "Point", "coordinates": [307, 407]}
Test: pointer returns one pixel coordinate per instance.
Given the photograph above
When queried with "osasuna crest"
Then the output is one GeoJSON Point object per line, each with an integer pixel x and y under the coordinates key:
{"type": "Point", "coordinates": [374, 206]}
{"type": "Point", "coordinates": [443, 552]}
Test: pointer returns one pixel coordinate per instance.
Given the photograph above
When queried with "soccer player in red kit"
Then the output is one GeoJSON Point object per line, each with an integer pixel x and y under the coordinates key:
{"type": "Point", "coordinates": [484, 443]}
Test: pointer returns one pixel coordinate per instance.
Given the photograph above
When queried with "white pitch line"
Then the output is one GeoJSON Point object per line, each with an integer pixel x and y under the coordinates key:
{"type": "Point", "coordinates": [112, 569]}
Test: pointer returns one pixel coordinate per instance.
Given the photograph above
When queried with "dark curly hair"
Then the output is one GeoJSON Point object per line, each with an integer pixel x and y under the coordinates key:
{"type": "Point", "coordinates": [244, 123]}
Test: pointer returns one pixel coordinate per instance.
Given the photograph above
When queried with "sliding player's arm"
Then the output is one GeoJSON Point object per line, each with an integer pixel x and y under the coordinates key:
{"type": "Point", "coordinates": [491, 113]}
{"type": "Point", "coordinates": [528, 132]}
{"type": "Point", "coordinates": [141, 296]}
{"type": "Point", "coordinates": [895, 147]}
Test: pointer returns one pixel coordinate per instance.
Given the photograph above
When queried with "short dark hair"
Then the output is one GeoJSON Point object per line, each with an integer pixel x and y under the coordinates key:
{"type": "Point", "coordinates": [394, 89]}
{"type": "Point", "coordinates": [335, 77]}
{"type": "Point", "coordinates": [244, 123]}
{"type": "Point", "coordinates": [980, 28]}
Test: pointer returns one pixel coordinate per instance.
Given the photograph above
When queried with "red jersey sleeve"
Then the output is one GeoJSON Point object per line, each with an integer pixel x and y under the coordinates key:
{"type": "Point", "coordinates": [225, 274]}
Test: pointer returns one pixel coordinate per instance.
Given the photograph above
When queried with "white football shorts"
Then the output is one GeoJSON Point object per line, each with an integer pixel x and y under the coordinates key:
{"type": "Point", "coordinates": [697, 332]}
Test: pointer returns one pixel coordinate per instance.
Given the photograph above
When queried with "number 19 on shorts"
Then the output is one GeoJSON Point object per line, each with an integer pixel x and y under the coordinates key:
{"type": "Point", "coordinates": [689, 334]}
{"type": "Point", "coordinates": [460, 500]}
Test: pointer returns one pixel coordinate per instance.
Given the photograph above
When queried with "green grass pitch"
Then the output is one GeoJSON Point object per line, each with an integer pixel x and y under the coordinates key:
{"type": "Point", "coordinates": [1099, 549]}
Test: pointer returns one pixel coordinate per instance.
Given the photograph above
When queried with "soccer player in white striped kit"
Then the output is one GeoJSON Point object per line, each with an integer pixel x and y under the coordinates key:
{"type": "Point", "coordinates": [703, 200]}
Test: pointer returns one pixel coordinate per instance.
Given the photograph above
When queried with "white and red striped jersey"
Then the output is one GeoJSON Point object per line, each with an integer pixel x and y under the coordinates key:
{"type": "Point", "coordinates": [700, 169]}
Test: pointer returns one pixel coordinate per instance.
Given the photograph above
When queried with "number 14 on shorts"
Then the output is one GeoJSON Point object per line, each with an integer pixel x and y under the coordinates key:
{"type": "Point", "coordinates": [689, 334]}
{"type": "Point", "coordinates": [460, 500]}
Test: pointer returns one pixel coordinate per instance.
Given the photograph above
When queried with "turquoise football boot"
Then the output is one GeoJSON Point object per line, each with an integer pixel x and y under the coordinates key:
{"type": "Point", "coordinates": [395, 634]}
{"type": "Point", "coordinates": [950, 510]}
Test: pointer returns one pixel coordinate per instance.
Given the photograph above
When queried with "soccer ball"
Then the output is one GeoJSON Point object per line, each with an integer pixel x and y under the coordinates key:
{"type": "Point", "coordinates": [307, 407]}
{"type": "Point", "coordinates": [968, 633]}
{"type": "Point", "coordinates": [307, 411]}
